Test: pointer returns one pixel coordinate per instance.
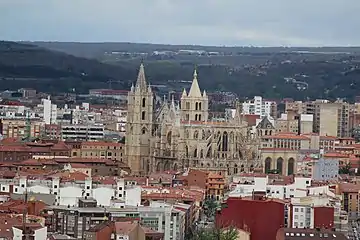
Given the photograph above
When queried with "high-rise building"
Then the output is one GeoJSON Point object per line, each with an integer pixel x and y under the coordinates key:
{"type": "Point", "coordinates": [49, 111]}
{"type": "Point", "coordinates": [259, 106]}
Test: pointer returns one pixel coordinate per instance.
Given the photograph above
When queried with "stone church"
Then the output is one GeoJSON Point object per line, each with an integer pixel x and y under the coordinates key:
{"type": "Point", "coordinates": [179, 135]}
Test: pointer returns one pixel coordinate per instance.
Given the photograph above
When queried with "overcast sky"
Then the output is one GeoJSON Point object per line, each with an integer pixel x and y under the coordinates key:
{"type": "Point", "coordinates": [207, 22]}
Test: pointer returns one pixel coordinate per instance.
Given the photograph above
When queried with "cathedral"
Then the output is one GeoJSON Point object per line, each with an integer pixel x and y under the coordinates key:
{"type": "Point", "coordinates": [180, 135]}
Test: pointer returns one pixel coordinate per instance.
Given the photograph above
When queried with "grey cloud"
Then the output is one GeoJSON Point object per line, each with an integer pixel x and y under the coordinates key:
{"type": "Point", "coordinates": [210, 22]}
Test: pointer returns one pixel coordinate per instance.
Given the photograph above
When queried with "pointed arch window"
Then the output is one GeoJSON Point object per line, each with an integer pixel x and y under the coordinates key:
{"type": "Point", "coordinates": [143, 115]}
{"type": "Point", "coordinates": [196, 117]}
{"type": "Point", "coordinates": [196, 134]}
{"type": "Point", "coordinates": [225, 142]}
{"type": "Point", "coordinates": [143, 102]}
{"type": "Point", "coordinates": [199, 117]}
{"type": "Point", "coordinates": [196, 106]}
{"type": "Point", "coordinates": [195, 152]}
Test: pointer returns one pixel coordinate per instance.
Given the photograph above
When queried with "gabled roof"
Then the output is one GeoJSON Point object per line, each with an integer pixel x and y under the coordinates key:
{"type": "Point", "coordinates": [265, 124]}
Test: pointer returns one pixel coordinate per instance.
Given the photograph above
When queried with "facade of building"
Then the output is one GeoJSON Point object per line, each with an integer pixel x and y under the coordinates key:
{"type": "Point", "coordinates": [324, 111]}
{"type": "Point", "coordinates": [68, 190]}
{"type": "Point", "coordinates": [263, 210]}
{"type": "Point", "coordinates": [80, 132]}
{"type": "Point", "coordinates": [98, 149]}
{"type": "Point", "coordinates": [172, 137]}
{"type": "Point", "coordinates": [21, 128]}
{"type": "Point", "coordinates": [325, 169]}
{"type": "Point", "coordinates": [49, 111]}
{"type": "Point", "coordinates": [259, 106]}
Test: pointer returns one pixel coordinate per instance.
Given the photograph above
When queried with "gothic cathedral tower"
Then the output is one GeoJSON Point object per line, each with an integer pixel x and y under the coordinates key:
{"type": "Point", "coordinates": [194, 106]}
{"type": "Point", "coordinates": [139, 125]}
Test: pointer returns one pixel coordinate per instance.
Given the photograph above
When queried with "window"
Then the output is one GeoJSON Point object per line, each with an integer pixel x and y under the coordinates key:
{"type": "Point", "coordinates": [143, 115]}
{"type": "Point", "coordinates": [199, 117]}
{"type": "Point", "coordinates": [296, 210]}
{"type": "Point", "coordinates": [143, 102]}
{"type": "Point", "coordinates": [55, 186]}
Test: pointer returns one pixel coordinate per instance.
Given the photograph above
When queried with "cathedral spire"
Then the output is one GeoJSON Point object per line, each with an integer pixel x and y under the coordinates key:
{"type": "Point", "coordinates": [184, 94]}
{"type": "Point", "coordinates": [195, 89]}
{"type": "Point", "coordinates": [141, 80]}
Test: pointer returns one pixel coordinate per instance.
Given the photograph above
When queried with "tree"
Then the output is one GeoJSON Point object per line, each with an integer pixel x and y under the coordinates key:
{"type": "Point", "coordinates": [210, 206]}
{"type": "Point", "coordinates": [345, 169]}
{"type": "Point", "coordinates": [230, 233]}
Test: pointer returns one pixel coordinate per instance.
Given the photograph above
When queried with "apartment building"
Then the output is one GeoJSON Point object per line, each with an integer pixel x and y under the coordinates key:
{"type": "Point", "coordinates": [49, 111]}
{"type": "Point", "coordinates": [259, 106]}
{"type": "Point", "coordinates": [21, 128]}
{"type": "Point", "coordinates": [350, 195]}
{"type": "Point", "coordinates": [70, 187]}
{"type": "Point", "coordinates": [98, 149]}
{"type": "Point", "coordinates": [292, 122]}
{"type": "Point", "coordinates": [275, 186]}
{"type": "Point", "coordinates": [88, 132]}
{"type": "Point", "coordinates": [319, 211]}
{"type": "Point", "coordinates": [164, 218]}
{"type": "Point", "coordinates": [330, 118]}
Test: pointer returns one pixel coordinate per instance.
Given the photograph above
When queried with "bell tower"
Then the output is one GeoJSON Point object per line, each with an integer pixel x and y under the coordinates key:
{"type": "Point", "coordinates": [139, 125]}
{"type": "Point", "coordinates": [194, 106]}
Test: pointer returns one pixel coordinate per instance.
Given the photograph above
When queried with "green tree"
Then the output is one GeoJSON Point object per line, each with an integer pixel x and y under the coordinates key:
{"type": "Point", "coordinates": [210, 206]}
{"type": "Point", "coordinates": [230, 233]}
{"type": "Point", "coordinates": [345, 169]}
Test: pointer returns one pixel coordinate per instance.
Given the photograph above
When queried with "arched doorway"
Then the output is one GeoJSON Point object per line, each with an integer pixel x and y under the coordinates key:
{"type": "Point", "coordinates": [267, 165]}
{"type": "Point", "coordinates": [291, 165]}
{"type": "Point", "coordinates": [279, 165]}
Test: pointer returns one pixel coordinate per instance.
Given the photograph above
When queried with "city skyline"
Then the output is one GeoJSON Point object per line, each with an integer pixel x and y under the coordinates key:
{"type": "Point", "coordinates": [204, 22]}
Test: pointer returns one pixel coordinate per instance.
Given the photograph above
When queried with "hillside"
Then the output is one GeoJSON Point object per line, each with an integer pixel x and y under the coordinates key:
{"type": "Point", "coordinates": [272, 75]}
{"type": "Point", "coordinates": [24, 65]}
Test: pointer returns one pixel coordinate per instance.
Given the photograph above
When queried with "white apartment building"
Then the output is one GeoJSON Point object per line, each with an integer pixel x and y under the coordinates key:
{"type": "Point", "coordinates": [303, 212]}
{"type": "Point", "coordinates": [257, 106]}
{"type": "Point", "coordinates": [88, 132]}
{"type": "Point", "coordinates": [68, 192]}
{"type": "Point", "coordinates": [164, 218]}
{"type": "Point", "coordinates": [49, 111]}
{"type": "Point", "coordinates": [244, 186]}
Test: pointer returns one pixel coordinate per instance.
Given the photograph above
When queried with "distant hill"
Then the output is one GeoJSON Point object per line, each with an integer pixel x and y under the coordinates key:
{"type": "Point", "coordinates": [97, 50]}
{"type": "Point", "coordinates": [273, 75]}
{"type": "Point", "coordinates": [25, 65]}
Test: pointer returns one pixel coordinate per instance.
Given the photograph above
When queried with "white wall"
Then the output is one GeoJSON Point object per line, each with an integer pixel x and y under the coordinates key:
{"type": "Point", "coordinates": [296, 189]}
{"type": "Point", "coordinates": [103, 195]}
{"type": "Point", "coordinates": [69, 195]}
{"type": "Point", "coordinates": [41, 234]}
{"type": "Point", "coordinates": [133, 196]}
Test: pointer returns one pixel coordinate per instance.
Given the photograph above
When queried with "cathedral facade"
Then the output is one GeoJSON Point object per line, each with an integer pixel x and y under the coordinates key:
{"type": "Point", "coordinates": [179, 135]}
